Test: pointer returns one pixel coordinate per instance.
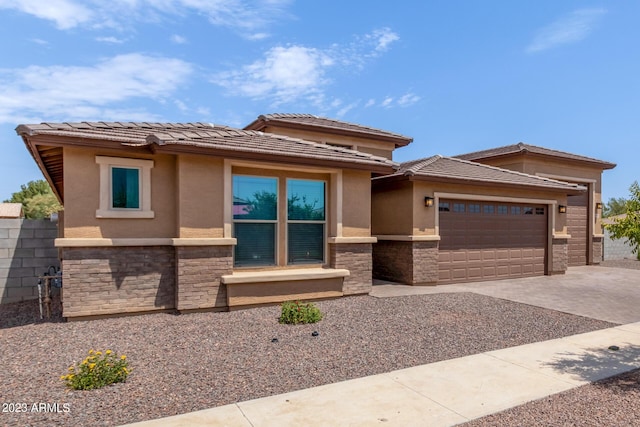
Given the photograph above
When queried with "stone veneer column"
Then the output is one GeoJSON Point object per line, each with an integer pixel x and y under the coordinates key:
{"type": "Point", "coordinates": [198, 272]}
{"type": "Point", "coordinates": [597, 250]}
{"type": "Point", "coordinates": [559, 256]}
{"type": "Point", "coordinates": [404, 261]}
{"type": "Point", "coordinates": [117, 280]}
{"type": "Point", "coordinates": [355, 257]}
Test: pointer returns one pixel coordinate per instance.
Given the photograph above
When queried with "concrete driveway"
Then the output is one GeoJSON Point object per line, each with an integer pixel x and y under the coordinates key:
{"type": "Point", "coordinates": [609, 294]}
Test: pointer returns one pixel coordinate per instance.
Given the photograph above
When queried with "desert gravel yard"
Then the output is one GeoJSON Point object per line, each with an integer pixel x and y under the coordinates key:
{"type": "Point", "coordinates": [183, 363]}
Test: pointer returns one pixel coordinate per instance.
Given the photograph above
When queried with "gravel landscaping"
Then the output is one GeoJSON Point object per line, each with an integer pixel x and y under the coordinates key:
{"type": "Point", "coordinates": [183, 363]}
{"type": "Point", "coordinates": [613, 402]}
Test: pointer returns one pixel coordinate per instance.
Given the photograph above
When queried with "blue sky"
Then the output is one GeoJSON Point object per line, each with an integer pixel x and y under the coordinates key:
{"type": "Point", "coordinates": [457, 76]}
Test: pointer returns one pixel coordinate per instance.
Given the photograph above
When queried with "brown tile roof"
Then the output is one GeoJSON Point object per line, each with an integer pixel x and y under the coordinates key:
{"type": "Point", "coordinates": [439, 168]}
{"type": "Point", "coordinates": [11, 210]}
{"type": "Point", "coordinates": [522, 148]}
{"type": "Point", "coordinates": [309, 121]}
{"type": "Point", "coordinates": [209, 138]}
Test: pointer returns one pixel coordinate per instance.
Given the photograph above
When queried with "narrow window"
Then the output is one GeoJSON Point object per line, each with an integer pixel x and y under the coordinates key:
{"type": "Point", "coordinates": [255, 217]}
{"type": "Point", "coordinates": [125, 188]}
{"type": "Point", "coordinates": [305, 221]}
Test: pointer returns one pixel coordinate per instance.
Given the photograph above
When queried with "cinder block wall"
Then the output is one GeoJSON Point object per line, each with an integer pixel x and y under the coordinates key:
{"type": "Point", "coordinates": [616, 249]}
{"type": "Point", "coordinates": [26, 251]}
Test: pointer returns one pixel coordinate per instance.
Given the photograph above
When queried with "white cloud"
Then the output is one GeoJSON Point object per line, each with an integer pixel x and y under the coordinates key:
{"type": "Point", "coordinates": [177, 39]}
{"type": "Point", "coordinates": [248, 17]}
{"type": "Point", "coordinates": [284, 74]}
{"type": "Point", "coordinates": [112, 40]}
{"type": "Point", "coordinates": [85, 93]}
{"type": "Point", "coordinates": [570, 29]}
{"type": "Point", "coordinates": [64, 13]}
{"type": "Point", "coordinates": [408, 99]}
{"type": "Point", "coordinates": [370, 103]}
{"type": "Point", "coordinates": [386, 103]}
{"type": "Point", "coordinates": [383, 37]}
{"type": "Point", "coordinates": [291, 73]}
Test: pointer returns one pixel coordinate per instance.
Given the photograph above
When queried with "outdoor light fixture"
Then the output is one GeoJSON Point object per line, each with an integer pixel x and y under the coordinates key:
{"type": "Point", "coordinates": [562, 209]}
{"type": "Point", "coordinates": [599, 206]}
{"type": "Point", "coordinates": [428, 201]}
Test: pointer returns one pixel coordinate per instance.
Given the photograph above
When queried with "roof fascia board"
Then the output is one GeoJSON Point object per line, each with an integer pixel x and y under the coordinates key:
{"type": "Point", "coordinates": [35, 153]}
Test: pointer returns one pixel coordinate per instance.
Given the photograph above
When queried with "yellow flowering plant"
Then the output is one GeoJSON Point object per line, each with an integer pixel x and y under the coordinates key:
{"type": "Point", "coordinates": [97, 370]}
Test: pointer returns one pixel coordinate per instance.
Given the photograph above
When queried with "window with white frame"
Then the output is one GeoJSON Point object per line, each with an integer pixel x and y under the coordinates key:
{"type": "Point", "coordinates": [259, 229]}
{"type": "Point", "coordinates": [125, 188]}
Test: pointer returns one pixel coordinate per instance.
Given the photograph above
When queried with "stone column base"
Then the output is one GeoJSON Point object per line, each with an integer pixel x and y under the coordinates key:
{"type": "Point", "coordinates": [410, 262]}
{"type": "Point", "coordinates": [355, 257]}
{"type": "Point", "coordinates": [198, 272]}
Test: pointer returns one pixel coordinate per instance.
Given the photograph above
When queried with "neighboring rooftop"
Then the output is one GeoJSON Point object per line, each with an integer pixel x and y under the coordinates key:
{"type": "Point", "coordinates": [522, 148]}
{"type": "Point", "coordinates": [440, 168]}
{"type": "Point", "coordinates": [11, 210]}
{"type": "Point", "coordinates": [309, 121]}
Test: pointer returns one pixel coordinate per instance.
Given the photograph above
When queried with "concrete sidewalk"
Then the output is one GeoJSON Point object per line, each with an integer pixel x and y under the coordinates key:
{"type": "Point", "coordinates": [439, 394]}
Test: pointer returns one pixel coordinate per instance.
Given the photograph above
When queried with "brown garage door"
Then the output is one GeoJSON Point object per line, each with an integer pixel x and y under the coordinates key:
{"type": "Point", "coordinates": [577, 227]}
{"type": "Point", "coordinates": [486, 240]}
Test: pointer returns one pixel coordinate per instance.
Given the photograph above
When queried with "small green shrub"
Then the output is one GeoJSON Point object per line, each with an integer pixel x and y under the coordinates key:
{"type": "Point", "coordinates": [97, 370]}
{"type": "Point", "coordinates": [293, 312]}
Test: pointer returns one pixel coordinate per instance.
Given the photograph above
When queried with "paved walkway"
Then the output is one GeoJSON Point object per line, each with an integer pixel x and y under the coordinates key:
{"type": "Point", "coordinates": [454, 391]}
{"type": "Point", "coordinates": [609, 294]}
{"type": "Point", "coordinates": [439, 394]}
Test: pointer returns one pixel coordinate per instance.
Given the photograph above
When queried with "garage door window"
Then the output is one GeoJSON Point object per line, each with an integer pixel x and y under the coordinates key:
{"type": "Point", "coordinates": [458, 207]}
{"type": "Point", "coordinates": [488, 209]}
{"type": "Point", "coordinates": [502, 210]}
{"type": "Point", "coordinates": [473, 208]}
{"type": "Point", "coordinates": [539, 211]}
{"type": "Point", "coordinates": [443, 207]}
{"type": "Point", "coordinates": [515, 210]}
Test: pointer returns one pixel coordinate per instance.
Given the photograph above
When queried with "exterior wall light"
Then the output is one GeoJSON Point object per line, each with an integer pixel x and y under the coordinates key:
{"type": "Point", "coordinates": [599, 206]}
{"type": "Point", "coordinates": [428, 202]}
{"type": "Point", "coordinates": [562, 209]}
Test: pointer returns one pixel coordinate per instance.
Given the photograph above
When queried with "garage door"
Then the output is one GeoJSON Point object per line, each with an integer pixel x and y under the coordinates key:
{"type": "Point", "coordinates": [486, 241]}
{"type": "Point", "coordinates": [577, 226]}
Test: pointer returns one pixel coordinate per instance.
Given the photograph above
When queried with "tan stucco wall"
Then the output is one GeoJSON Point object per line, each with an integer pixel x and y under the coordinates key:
{"type": "Point", "coordinates": [392, 209]}
{"type": "Point", "coordinates": [200, 192]}
{"type": "Point", "coordinates": [379, 148]}
{"type": "Point", "coordinates": [558, 169]}
{"type": "Point", "coordinates": [356, 204]}
{"type": "Point", "coordinates": [82, 192]}
{"type": "Point", "coordinates": [399, 209]}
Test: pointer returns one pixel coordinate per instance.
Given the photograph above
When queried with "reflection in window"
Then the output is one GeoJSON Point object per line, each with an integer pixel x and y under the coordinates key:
{"type": "Point", "coordinates": [528, 210]}
{"type": "Point", "coordinates": [305, 221]}
{"type": "Point", "coordinates": [125, 188]}
{"type": "Point", "coordinates": [539, 211]}
{"type": "Point", "coordinates": [443, 206]}
{"type": "Point", "coordinates": [255, 214]}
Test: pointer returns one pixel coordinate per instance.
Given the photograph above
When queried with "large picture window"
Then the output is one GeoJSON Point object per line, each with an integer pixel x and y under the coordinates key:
{"type": "Point", "coordinates": [305, 221]}
{"type": "Point", "coordinates": [255, 220]}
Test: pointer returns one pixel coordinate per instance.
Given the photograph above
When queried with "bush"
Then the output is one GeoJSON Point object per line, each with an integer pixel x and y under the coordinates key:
{"type": "Point", "coordinates": [97, 370]}
{"type": "Point", "coordinates": [293, 312]}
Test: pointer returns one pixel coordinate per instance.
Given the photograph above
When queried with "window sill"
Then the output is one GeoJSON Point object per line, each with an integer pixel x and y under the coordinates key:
{"type": "Point", "coordinates": [283, 275]}
{"type": "Point", "coordinates": [100, 213]}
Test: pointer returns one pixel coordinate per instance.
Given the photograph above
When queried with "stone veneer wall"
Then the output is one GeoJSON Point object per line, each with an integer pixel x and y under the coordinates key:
{"type": "Point", "coordinates": [115, 280]}
{"type": "Point", "coordinates": [355, 257]}
{"type": "Point", "coordinates": [560, 256]}
{"type": "Point", "coordinates": [198, 271]}
{"type": "Point", "coordinates": [410, 262]}
{"type": "Point", "coordinates": [26, 251]}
